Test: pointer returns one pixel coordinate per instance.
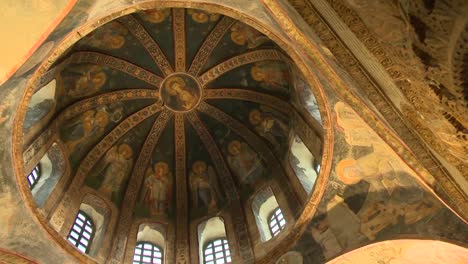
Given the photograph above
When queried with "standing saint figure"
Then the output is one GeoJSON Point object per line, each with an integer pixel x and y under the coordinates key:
{"type": "Point", "coordinates": [268, 125]}
{"type": "Point", "coordinates": [89, 126]}
{"type": "Point", "coordinates": [244, 162]}
{"type": "Point", "coordinates": [271, 75]}
{"type": "Point", "coordinates": [241, 34]}
{"type": "Point", "coordinates": [203, 185]}
{"type": "Point", "coordinates": [157, 188]}
{"type": "Point", "coordinates": [116, 166]}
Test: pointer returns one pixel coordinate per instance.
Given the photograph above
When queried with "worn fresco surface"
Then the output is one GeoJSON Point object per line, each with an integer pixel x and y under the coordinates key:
{"type": "Point", "coordinates": [92, 85]}
{"type": "Point", "coordinates": [372, 196]}
{"type": "Point", "coordinates": [406, 251]}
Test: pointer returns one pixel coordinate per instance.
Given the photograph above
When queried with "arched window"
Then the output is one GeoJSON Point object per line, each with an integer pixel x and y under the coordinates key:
{"type": "Point", "coordinates": [82, 232]}
{"type": "Point", "coordinates": [146, 252]}
{"type": "Point", "coordinates": [276, 222]}
{"type": "Point", "coordinates": [33, 176]}
{"type": "Point", "coordinates": [217, 252]}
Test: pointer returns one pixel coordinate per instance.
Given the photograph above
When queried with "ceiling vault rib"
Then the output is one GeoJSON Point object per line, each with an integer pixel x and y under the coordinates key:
{"type": "Point", "coordinates": [239, 222]}
{"type": "Point", "coordinates": [117, 64]}
{"type": "Point", "coordinates": [179, 39]}
{"type": "Point", "coordinates": [104, 99]}
{"type": "Point", "coordinates": [209, 45]}
{"type": "Point", "coordinates": [256, 142]}
{"type": "Point", "coordinates": [104, 145]}
{"type": "Point", "coordinates": [181, 240]}
{"type": "Point", "coordinates": [135, 181]}
{"type": "Point", "coordinates": [237, 61]}
{"type": "Point", "coordinates": [248, 95]}
{"type": "Point", "coordinates": [148, 42]}
{"type": "Point", "coordinates": [95, 101]}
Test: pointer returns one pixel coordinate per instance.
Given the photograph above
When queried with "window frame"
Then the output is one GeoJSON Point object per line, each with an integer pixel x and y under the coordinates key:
{"type": "Point", "coordinates": [82, 231]}
{"type": "Point", "coordinates": [274, 217]}
{"type": "Point", "coordinates": [154, 246]}
{"type": "Point", "coordinates": [224, 251]}
{"type": "Point", "coordinates": [38, 171]}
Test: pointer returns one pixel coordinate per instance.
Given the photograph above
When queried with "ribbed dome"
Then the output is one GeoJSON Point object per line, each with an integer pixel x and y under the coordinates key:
{"type": "Point", "coordinates": [147, 99]}
{"type": "Point", "coordinates": [174, 115]}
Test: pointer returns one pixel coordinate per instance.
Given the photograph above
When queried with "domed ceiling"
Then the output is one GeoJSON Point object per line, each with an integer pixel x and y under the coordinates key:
{"type": "Point", "coordinates": [174, 100]}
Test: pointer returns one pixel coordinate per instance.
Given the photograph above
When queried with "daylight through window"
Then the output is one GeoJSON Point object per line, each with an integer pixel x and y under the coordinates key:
{"type": "Point", "coordinates": [276, 222]}
{"type": "Point", "coordinates": [81, 234]}
{"type": "Point", "coordinates": [146, 252]}
{"type": "Point", "coordinates": [217, 252]}
{"type": "Point", "coordinates": [34, 176]}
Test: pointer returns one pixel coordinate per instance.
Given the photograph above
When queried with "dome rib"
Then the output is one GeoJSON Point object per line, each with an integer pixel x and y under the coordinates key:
{"type": "Point", "coordinates": [179, 39]}
{"type": "Point", "coordinates": [107, 142]}
{"type": "Point", "coordinates": [209, 45]}
{"type": "Point", "coordinates": [249, 95]}
{"type": "Point", "coordinates": [227, 181]}
{"type": "Point", "coordinates": [148, 42]}
{"type": "Point", "coordinates": [255, 141]}
{"type": "Point", "coordinates": [119, 50]}
{"type": "Point", "coordinates": [137, 176]}
{"type": "Point", "coordinates": [117, 64]}
{"type": "Point", "coordinates": [238, 61]}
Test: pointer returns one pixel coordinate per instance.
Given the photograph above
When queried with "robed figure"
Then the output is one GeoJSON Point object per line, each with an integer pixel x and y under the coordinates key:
{"type": "Point", "coordinates": [157, 188]}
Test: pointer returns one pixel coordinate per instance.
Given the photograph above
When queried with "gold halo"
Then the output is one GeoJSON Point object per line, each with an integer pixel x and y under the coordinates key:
{"type": "Point", "coordinates": [253, 117]}
{"type": "Point", "coordinates": [126, 150]}
{"type": "Point", "coordinates": [231, 145]}
{"type": "Point", "coordinates": [176, 77]}
{"type": "Point", "coordinates": [341, 166]}
{"type": "Point", "coordinates": [161, 165]}
{"type": "Point", "coordinates": [199, 166]}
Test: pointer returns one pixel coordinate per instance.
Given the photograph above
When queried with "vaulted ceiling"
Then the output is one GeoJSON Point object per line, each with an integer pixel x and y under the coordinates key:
{"type": "Point", "coordinates": [172, 101]}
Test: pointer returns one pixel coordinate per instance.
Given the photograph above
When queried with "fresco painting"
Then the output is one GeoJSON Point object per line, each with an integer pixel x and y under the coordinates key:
{"type": "Point", "coordinates": [374, 196]}
{"type": "Point", "coordinates": [4, 109]}
{"type": "Point", "coordinates": [158, 24]}
{"type": "Point", "coordinates": [203, 185]}
{"type": "Point", "coordinates": [81, 132]}
{"type": "Point", "coordinates": [270, 124]}
{"type": "Point", "coordinates": [243, 79]}
{"type": "Point", "coordinates": [82, 80]}
{"type": "Point", "coordinates": [180, 93]}
{"type": "Point", "coordinates": [241, 34]}
{"type": "Point", "coordinates": [116, 166]}
{"type": "Point", "coordinates": [155, 16]}
{"type": "Point", "coordinates": [202, 17]}
{"type": "Point", "coordinates": [197, 31]}
{"type": "Point", "coordinates": [302, 162]}
{"type": "Point", "coordinates": [42, 103]}
{"type": "Point", "coordinates": [304, 97]}
{"type": "Point", "coordinates": [156, 197]}
{"type": "Point", "coordinates": [109, 36]}
{"type": "Point", "coordinates": [406, 251]}
{"type": "Point", "coordinates": [111, 173]}
{"type": "Point", "coordinates": [239, 39]}
{"type": "Point", "coordinates": [245, 163]}
{"type": "Point", "coordinates": [157, 188]}
{"type": "Point", "coordinates": [271, 75]}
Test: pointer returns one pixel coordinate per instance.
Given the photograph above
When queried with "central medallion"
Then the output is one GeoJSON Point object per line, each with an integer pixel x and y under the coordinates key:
{"type": "Point", "coordinates": [180, 92]}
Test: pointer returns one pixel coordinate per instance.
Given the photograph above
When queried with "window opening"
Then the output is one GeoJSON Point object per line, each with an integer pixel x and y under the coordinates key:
{"type": "Point", "coordinates": [217, 252]}
{"type": "Point", "coordinates": [276, 222]}
{"type": "Point", "coordinates": [82, 231]}
{"type": "Point", "coordinates": [34, 176]}
{"type": "Point", "coordinates": [147, 253]}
